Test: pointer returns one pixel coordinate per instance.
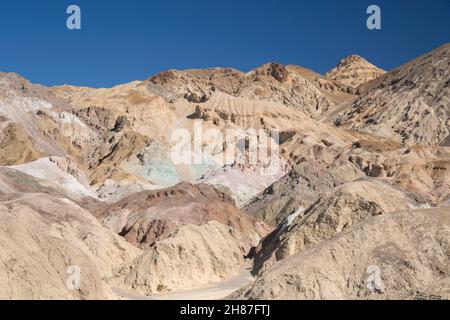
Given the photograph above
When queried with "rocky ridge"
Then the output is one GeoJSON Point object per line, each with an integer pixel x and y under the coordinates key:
{"type": "Point", "coordinates": [87, 180]}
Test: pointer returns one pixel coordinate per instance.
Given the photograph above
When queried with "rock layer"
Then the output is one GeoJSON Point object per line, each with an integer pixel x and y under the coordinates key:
{"type": "Point", "coordinates": [354, 71]}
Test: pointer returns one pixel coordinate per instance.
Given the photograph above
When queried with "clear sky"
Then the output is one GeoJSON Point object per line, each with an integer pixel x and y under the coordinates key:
{"type": "Point", "coordinates": [128, 40]}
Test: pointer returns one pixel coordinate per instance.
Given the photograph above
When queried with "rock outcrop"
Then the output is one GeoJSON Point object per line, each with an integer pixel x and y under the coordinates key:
{"type": "Point", "coordinates": [192, 257]}
{"type": "Point", "coordinates": [151, 216]}
{"type": "Point", "coordinates": [44, 241]}
{"type": "Point", "coordinates": [403, 255]}
{"type": "Point", "coordinates": [354, 71]}
{"type": "Point", "coordinates": [90, 181]}
{"type": "Point", "coordinates": [291, 86]}
{"type": "Point", "coordinates": [349, 204]}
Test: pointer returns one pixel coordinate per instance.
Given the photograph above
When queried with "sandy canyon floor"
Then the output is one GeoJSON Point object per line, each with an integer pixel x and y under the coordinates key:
{"type": "Point", "coordinates": [131, 192]}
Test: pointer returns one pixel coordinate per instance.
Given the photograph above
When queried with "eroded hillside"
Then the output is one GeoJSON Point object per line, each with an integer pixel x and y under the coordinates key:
{"type": "Point", "coordinates": [355, 175]}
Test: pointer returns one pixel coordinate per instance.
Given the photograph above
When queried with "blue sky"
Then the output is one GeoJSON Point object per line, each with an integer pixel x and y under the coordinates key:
{"type": "Point", "coordinates": [122, 41]}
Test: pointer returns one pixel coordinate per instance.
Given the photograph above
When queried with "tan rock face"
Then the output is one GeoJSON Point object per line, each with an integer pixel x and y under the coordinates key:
{"type": "Point", "coordinates": [390, 256]}
{"type": "Point", "coordinates": [192, 257]}
{"type": "Point", "coordinates": [151, 216]}
{"type": "Point", "coordinates": [15, 145]}
{"type": "Point", "coordinates": [354, 71]}
{"type": "Point", "coordinates": [409, 104]}
{"type": "Point", "coordinates": [132, 104]}
{"type": "Point", "coordinates": [272, 82]}
{"type": "Point", "coordinates": [42, 236]}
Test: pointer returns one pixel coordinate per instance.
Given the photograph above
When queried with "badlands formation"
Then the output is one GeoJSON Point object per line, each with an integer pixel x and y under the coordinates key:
{"type": "Point", "coordinates": [352, 203]}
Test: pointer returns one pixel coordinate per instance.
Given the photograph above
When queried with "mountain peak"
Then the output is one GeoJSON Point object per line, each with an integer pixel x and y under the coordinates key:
{"type": "Point", "coordinates": [354, 58]}
{"type": "Point", "coordinates": [354, 71]}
